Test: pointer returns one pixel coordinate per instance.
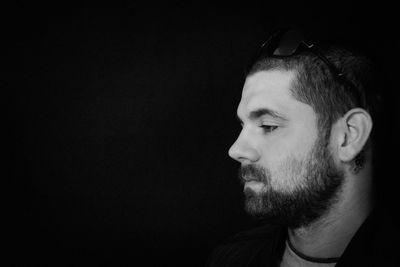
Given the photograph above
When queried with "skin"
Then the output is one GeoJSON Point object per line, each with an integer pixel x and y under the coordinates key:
{"type": "Point", "coordinates": [268, 141]}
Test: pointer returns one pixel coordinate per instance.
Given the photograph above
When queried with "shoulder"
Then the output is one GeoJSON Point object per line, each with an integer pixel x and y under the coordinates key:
{"type": "Point", "coordinates": [385, 240]}
{"type": "Point", "coordinates": [374, 244]}
{"type": "Point", "coordinates": [247, 247]}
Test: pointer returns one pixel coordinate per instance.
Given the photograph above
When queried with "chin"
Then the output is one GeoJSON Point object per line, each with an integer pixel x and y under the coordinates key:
{"type": "Point", "coordinates": [256, 187]}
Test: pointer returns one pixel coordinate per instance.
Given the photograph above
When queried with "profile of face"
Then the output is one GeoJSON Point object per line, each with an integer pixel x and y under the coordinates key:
{"type": "Point", "coordinates": [287, 169]}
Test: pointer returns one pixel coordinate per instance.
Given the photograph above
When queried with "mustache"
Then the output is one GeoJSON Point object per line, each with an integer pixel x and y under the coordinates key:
{"type": "Point", "coordinates": [252, 173]}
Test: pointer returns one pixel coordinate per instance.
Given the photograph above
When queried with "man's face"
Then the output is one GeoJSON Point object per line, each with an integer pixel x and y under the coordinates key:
{"type": "Point", "coordinates": [288, 174]}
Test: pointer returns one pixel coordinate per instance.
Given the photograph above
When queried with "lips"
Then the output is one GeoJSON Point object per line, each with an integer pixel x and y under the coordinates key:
{"type": "Point", "coordinates": [249, 179]}
{"type": "Point", "coordinates": [250, 173]}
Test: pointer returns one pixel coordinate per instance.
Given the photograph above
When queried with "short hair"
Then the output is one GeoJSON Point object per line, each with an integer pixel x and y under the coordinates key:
{"type": "Point", "coordinates": [316, 85]}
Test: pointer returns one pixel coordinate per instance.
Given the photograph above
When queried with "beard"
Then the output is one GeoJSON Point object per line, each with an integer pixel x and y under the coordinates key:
{"type": "Point", "coordinates": [317, 180]}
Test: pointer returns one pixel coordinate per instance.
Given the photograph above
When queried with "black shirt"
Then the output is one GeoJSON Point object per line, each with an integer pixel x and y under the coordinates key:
{"type": "Point", "coordinates": [374, 244]}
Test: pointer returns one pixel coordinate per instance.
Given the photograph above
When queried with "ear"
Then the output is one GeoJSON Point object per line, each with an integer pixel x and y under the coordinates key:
{"type": "Point", "coordinates": [354, 131]}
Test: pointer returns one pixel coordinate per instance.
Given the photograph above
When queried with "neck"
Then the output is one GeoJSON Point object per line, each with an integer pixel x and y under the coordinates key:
{"type": "Point", "coordinates": [329, 235]}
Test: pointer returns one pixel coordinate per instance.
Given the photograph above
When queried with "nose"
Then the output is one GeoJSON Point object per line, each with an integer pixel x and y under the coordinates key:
{"type": "Point", "coordinates": [243, 151]}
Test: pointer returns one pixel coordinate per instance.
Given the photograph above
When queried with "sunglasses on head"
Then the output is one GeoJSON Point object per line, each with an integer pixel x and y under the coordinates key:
{"type": "Point", "coordinates": [289, 42]}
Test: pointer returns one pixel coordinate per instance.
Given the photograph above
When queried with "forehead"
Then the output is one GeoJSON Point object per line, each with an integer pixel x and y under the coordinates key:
{"type": "Point", "coordinates": [270, 89]}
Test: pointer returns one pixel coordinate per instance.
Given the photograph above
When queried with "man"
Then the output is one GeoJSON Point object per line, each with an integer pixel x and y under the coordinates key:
{"type": "Point", "coordinates": [306, 155]}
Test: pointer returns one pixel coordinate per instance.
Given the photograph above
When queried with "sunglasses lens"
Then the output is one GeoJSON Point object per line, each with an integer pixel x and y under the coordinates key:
{"type": "Point", "coordinates": [286, 43]}
{"type": "Point", "coordinates": [283, 43]}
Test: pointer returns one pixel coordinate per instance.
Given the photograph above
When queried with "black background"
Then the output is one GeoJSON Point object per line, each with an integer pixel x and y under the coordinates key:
{"type": "Point", "coordinates": [122, 116]}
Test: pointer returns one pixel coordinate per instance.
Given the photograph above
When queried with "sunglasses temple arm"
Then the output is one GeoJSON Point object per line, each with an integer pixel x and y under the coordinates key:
{"type": "Point", "coordinates": [339, 75]}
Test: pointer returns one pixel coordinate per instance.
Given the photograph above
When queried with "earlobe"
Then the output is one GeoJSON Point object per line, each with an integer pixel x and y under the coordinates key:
{"type": "Point", "coordinates": [356, 130]}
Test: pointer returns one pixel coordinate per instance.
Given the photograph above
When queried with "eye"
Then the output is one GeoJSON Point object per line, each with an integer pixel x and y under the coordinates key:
{"type": "Point", "coordinates": [268, 128]}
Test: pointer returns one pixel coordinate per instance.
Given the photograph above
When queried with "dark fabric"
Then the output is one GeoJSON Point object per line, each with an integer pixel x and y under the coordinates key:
{"type": "Point", "coordinates": [374, 244]}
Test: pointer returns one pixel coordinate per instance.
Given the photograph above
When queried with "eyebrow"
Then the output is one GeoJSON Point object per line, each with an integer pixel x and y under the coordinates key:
{"type": "Point", "coordinates": [256, 114]}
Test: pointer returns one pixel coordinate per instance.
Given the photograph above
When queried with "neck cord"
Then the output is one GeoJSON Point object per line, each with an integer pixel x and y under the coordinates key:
{"type": "Point", "coordinates": [311, 259]}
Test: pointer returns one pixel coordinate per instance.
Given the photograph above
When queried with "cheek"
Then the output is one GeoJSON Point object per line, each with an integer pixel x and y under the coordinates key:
{"type": "Point", "coordinates": [289, 174]}
{"type": "Point", "coordinates": [286, 158]}
{"type": "Point", "coordinates": [295, 143]}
